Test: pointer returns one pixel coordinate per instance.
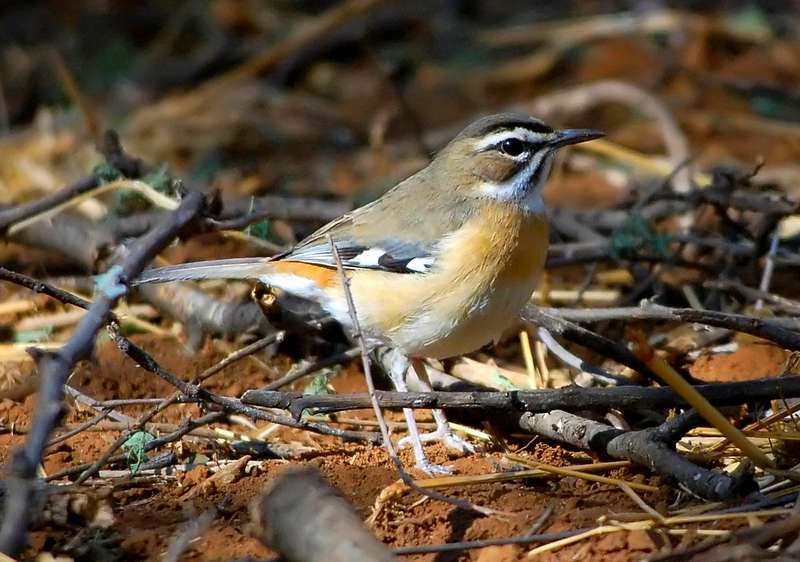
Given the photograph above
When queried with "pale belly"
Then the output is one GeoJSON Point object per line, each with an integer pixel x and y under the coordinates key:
{"type": "Point", "coordinates": [440, 337]}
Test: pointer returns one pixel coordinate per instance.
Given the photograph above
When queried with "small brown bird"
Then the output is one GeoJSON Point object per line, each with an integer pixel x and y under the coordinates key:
{"type": "Point", "coordinates": [441, 264]}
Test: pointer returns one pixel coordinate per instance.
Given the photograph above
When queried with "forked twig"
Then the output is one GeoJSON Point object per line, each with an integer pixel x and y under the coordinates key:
{"type": "Point", "coordinates": [55, 368]}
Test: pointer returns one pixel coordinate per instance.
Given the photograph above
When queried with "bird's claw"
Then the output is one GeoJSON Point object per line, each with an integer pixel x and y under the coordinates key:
{"type": "Point", "coordinates": [447, 438]}
{"type": "Point", "coordinates": [433, 469]}
{"type": "Point", "coordinates": [456, 443]}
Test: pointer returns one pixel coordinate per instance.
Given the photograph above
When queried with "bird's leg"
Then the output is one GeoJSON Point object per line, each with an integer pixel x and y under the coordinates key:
{"type": "Point", "coordinates": [398, 375]}
{"type": "Point", "coordinates": [443, 432]}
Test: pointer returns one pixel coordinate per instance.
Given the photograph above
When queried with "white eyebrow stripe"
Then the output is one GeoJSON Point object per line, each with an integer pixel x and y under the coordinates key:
{"type": "Point", "coordinates": [520, 133]}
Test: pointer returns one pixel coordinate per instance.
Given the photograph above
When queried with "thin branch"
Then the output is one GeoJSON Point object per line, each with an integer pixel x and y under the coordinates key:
{"type": "Point", "coordinates": [472, 545]}
{"type": "Point", "coordinates": [193, 392]}
{"type": "Point", "coordinates": [81, 428]}
{"type": "Point", "coordinates": [88, 469]}
{"type": "Point", "coordinates": [769, 267]}
{"type": "Point", "coordinates": [114, 155]}
{"type": "Point", "coordinates": [43, 288]}
{"type": "Point", "coordinates": [644, 447]}
{"type": "Point", "coordinates": [241, 213]}
{"type": "Point", "coordinates": [55, 368]}
{"type": "Point", "coordinates": [535, 401]}
{"type": "Point", "coordinates": [72, 237]}
{"type": "Point", "coordinates": [576, 362]}
{"type": "Point", "coordinates": [196, 392]}
{"type": "Point", "coordinates": [784, 304]}
{"type": "Point", "coordinates": [599, 344]}
{"type": "Point", "coordinates": [296, 374]}
{"type": "Point", "coordinates": [19, 213]}
{"type": "Point", "coordinates": [240, 354]}
{"type": "Point", "coordinates": [784, 331]}
{"type": "Point", "coordinates": [91, 468]}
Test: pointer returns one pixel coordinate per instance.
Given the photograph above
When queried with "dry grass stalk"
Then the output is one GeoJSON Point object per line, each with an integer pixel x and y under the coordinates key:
{"type": "Point", "coordinates": [697, 400]}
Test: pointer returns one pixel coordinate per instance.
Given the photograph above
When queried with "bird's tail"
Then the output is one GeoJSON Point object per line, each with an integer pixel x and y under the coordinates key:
{"type": "Point", "coordinates": [233, 268]}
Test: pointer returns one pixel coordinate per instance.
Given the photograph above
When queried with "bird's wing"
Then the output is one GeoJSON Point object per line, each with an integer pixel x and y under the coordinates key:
{"type": "Point", "coordinates": [385, 235]}
{"type": "Point", "coordinates": [361, 248]}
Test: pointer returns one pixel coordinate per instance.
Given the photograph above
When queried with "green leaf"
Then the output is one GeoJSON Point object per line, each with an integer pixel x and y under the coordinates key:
{"type": "Point", "coordinates": [106, 173]}
{"type": "Point", "coordinates": [318, 385]}
{"type": "Point", "coordinates": [637, 235]}
{"type": "Point", "coordinates": [502, 382]}
{"type": "Point", "coordinates": [162, 180]}
{"type": "Point", "coordinates": [260, 229]}
{"type": "Point", "coordinates": [129, 201]}
{"type": "Point", "coordinates": [135, 449]}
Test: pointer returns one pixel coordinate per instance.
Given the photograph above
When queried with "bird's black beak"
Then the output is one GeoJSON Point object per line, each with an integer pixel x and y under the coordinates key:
{"type": "Point", "coordinates": [574, 136]}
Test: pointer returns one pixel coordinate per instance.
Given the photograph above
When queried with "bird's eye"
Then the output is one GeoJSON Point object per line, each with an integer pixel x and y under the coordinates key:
{"type": "Point", "coordinates": [512, 147]}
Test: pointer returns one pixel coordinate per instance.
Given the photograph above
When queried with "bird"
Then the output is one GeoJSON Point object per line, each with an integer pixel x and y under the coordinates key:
{"type": "Point", "coordinates": [438, 266]}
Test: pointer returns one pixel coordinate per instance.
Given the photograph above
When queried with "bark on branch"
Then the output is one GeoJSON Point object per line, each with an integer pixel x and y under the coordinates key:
{"type": "Point", "coordinates": [573, 398]}
{"type": "Point", "coordinates": [303, 518]}
{"type": "Point", "coordinates": [653, 448]}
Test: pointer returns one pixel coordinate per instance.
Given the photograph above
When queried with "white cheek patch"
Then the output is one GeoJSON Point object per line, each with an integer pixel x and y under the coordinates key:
{"type": "Point", "coordinates": [524, 187]}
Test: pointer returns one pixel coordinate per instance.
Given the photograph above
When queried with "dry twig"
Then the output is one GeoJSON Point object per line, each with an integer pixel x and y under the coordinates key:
{"type": "Point", "coordinates": [54, 368]}
{"type": "Point", "coordinates": [535, 401]}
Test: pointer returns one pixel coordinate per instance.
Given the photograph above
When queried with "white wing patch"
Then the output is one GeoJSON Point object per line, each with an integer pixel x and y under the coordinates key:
{"type": "Point", "coordinates": [422, 265]}
{"type": "Point", "coordinates": [405, 258]}
{"type": "Point", "coordinates": [368, 258]}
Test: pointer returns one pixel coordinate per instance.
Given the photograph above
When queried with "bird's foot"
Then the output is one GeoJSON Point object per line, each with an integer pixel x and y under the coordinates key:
{"type": "Point", "coordinates": [456, 443]}
{"type": "Point", "coordinates": [420, 459]}
{"type": "Point", "coordinates": [446, 437]}
{"type": "Point", "coordinates": [432, 469]}
{"type": "Point", "coordinates": [443, 435]}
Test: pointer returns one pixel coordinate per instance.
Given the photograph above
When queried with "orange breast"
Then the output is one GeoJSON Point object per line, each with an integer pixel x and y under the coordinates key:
{"type": "Point", "coordinates": [484, 274]}
{"type": "Point", "coordinates": [529, 251]}
{"type": "Point", "coordinates": [502, 246]}
{"type": "Point", "coordinates": [323, 277]}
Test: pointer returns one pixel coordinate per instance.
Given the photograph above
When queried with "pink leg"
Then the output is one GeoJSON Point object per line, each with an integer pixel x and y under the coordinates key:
{"type": "Point", "coordinates": [443, 432]}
